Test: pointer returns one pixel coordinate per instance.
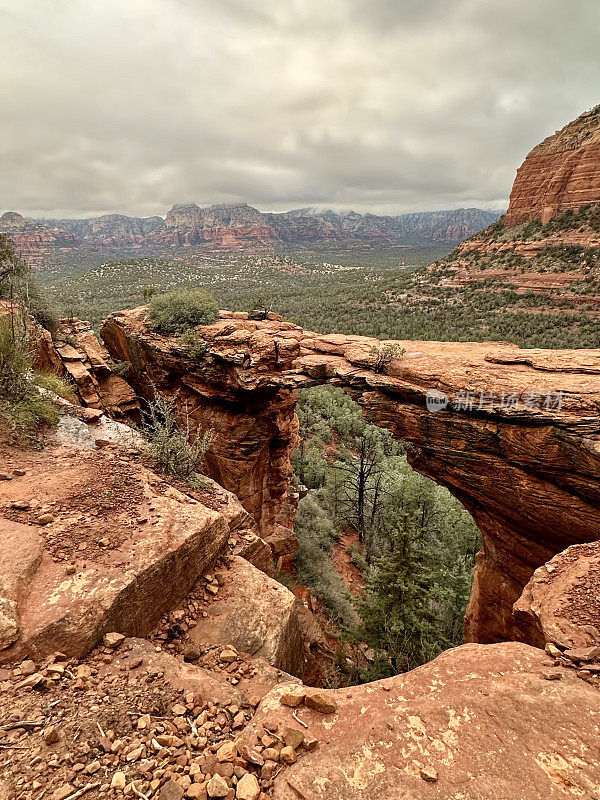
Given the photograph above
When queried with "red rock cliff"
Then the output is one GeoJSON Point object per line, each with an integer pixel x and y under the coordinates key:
{"type": "Point", "coordinates": [562, 172]}
{"type": "Point", "coordinates": [528, 472]}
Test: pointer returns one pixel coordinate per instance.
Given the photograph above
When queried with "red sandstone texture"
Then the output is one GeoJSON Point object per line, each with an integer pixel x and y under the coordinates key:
{"type": "Point", "coordinates": [530, 475]}
{"type": "Point", "coordinates": [477, 723]}
{"type": "Point", "coordinates": [560, 602]}
{"type": "Point", "coordinates": [562, 172]}
{"type": "Point", "coordinates": [90, 542]}
{"type": "Point", "coordinates": [88, 367]}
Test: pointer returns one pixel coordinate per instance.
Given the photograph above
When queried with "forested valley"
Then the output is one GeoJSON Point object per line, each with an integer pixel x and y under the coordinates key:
{"type": "Point", "coordinates": [414, 547]}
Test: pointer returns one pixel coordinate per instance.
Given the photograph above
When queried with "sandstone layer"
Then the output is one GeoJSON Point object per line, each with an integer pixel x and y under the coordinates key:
{"type": "Point", "coordinates": [547, 244]}
{"type": "Point", "coordinates": [89, 369]}
{"type": "Point", "coordinates": [33, 238]}
{"type": "Point", "coordinates": [518, 441]}
{"type": "Point", "coordinates": [561, 173]}
{"type": "Point", "coordinates": [477, 723]}
{"type": "Point", "coordinates": [90, 542]}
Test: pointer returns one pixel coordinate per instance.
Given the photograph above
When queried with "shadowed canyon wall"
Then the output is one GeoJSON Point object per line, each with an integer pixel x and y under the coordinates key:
{"type": "Point", "coordinates": [518, 441]}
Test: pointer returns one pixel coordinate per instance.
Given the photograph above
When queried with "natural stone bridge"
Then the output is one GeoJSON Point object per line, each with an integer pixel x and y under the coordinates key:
{"type": "Point", "coordinates": [518, 443]}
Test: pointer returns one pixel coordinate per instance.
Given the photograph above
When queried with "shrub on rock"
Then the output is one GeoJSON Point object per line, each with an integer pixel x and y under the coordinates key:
{"type": "Point", "coordinates": [181, 310]}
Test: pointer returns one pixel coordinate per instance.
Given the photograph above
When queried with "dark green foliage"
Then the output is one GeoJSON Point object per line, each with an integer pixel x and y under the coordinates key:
{"type": "Point", "coordinates": [316, 538]}
{"type": "Point", "coordinates": [194, 344]}
{"type": "Point", "coordinates": [17, 283]}
{"type": "Point", "coordinates": [16, 358]}
{"type": "Point", "coordinates": [23, 409]}
{"type": "Point", "coordinates": [382, 298]}
{"type": "Point", "coordinates": [384, 354]}
{"type": "Point", "coordinates": [121, 368]}
{"type": "Point", "coordinates": [418, 588]}
{"type": "Point", "coordinates": [587, 216]}
{"type": "Point", "coordinates": [419, 543]}
{"type": "Point", "coordinates": [532, 228]}
{"type": "Point", "coordinates": [182, 309]}
{"type": "Point", "coordinates": [12, 266]}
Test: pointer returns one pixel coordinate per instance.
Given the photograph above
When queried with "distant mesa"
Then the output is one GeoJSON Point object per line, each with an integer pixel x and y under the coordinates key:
{"type": "Point", "coordinates": [238, 226]}
{"type": "Point", "coordinates": [548, 243]}
{"type": "Point", "coordinates": [33, 238]}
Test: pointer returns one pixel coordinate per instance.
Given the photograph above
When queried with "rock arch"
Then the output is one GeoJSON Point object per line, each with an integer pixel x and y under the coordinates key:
{"type": "Point", "coordinates": [518, 441]}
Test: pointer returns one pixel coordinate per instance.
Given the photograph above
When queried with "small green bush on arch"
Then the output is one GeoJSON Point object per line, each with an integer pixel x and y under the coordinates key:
{"type": "Point", "coordinates": [181, 310]}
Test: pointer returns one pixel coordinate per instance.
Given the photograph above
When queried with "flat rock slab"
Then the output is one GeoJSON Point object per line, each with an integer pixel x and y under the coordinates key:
{"type": "Point", "coordinates": [256, 615]}
{"type": "Point", "coordinates": [479, 722]}
{"type": "Point", "coordinates": [121, 548]}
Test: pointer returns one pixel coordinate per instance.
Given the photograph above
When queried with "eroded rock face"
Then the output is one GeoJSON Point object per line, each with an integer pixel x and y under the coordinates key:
{"type": "Point", "coordinates": [46, 357]}
{"type": "Point", "coordinates": [33, 238]}
{"type": "Point", "coordinates": [527, 469]}
{"type": "Point", "coordinates": [92, 542]}
{"type": "Point", "coordinates": [477, 723]}
{"type": "Point", "coordinates": [87, 365]}
{"type": "Point", "coordinates": [560, 602]}
{"type": "Point", "coordinates": [255, 614]}
{"type": "Point", "coordinates": [562, 172]}
{"type": "Point", "coordinates": [230, 227]}
{"type": "Point", "coordinates": [76, 355]}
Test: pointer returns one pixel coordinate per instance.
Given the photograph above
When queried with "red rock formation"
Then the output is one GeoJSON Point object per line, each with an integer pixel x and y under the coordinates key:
{"type": "Point", "coordinates": [88, 366]}
{"type": "Point", "coordinates": [227, 227]}
{"type": "Point", "coordinates": [560, 173]}
{"type": "Point", "coordinates": [560, 602]}
{"type": "Point", "coordinates": [529, 474]}
{"type": "Point", "coordinates": [477, 723]}
{"type": "Point", "coordinates": [235, 227]}
{"type": "Point", "coordinates": [33, 238]}
{"type": "Point", "coordinates": [98, 543]}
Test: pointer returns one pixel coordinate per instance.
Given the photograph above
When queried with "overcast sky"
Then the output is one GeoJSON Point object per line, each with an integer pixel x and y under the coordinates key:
{"type": "Point", "coordinates": [379, 105]}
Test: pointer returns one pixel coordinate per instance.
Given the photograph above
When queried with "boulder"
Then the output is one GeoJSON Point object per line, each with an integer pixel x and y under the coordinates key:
{"type": "Point", "coordinates": [255, 614]}
{"type": "Point", "coordinates": [9, 622]}
{"type": "Point", "coordinates": [123, 548]}
{"type": "Point", "coordinates": [559, 605]}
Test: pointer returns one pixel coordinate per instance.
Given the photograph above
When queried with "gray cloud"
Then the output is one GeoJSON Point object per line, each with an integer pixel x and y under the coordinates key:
{"type": "Point", "coordinates": [385, 105]}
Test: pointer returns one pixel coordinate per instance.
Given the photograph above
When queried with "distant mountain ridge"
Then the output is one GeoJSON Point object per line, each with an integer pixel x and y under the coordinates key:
{"type": "Point", "coordinates": [239, 226]}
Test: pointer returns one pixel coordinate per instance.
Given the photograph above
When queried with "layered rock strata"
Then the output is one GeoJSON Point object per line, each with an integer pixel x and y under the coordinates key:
{"type": "Point", "coordinates": [89, 368]}
{"type": "Point", "coordinates": [561, 173]}
{"type": "Point", "coordinates": [514, 434]}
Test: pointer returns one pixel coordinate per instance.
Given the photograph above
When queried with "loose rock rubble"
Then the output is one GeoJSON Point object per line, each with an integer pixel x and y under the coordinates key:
{"type": "Point", "coordinates": [112, 725]}
{"type": "Point", "coordinates": [480, 722]}
{"type": "Point", "coordinates": [236, 616]}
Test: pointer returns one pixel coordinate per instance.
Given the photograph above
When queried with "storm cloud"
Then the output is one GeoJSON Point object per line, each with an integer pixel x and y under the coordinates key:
{"type": "Point", "coordinates": [378, 105]}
